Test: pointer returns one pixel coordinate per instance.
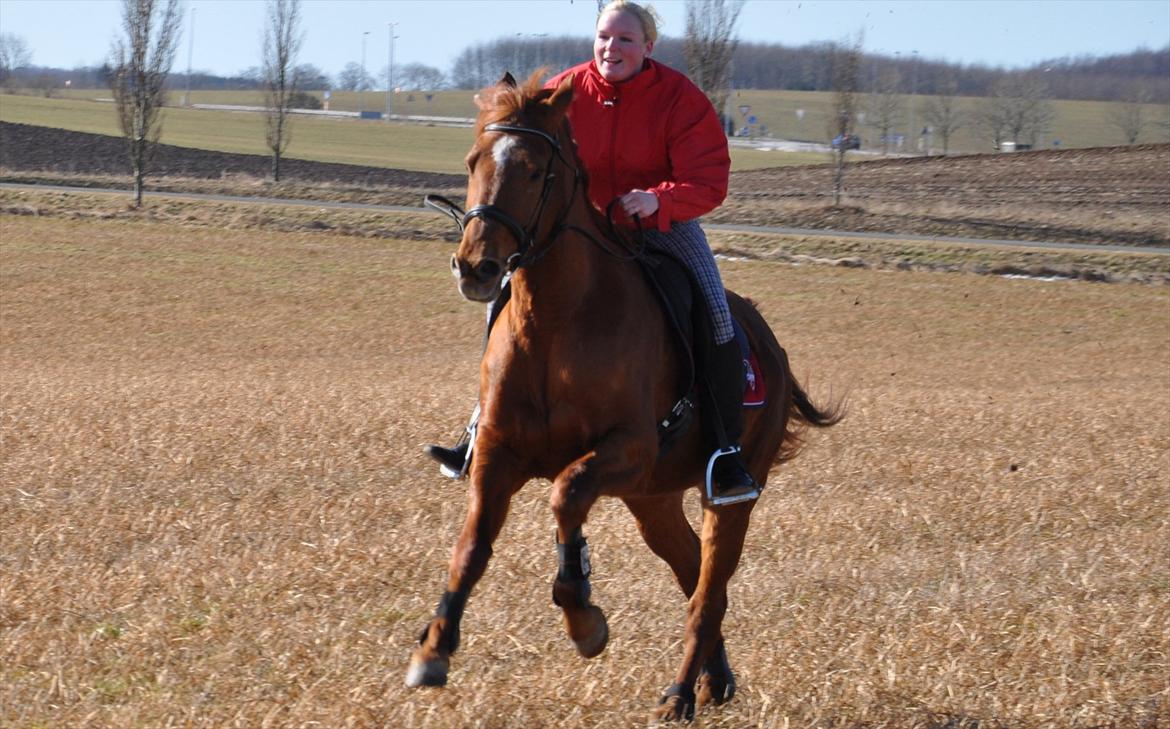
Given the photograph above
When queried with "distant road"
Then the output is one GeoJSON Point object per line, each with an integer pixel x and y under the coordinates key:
{"type": "Point", "coordinates": [773, 230]}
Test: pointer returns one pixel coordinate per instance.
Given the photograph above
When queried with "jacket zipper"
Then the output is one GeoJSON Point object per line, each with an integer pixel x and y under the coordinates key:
{"type": "Point", "coordinates": [613, 127]}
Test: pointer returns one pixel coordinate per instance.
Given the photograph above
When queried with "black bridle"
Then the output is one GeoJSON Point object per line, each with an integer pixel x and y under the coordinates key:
{"type": "Point", "coordinates": [525, 234]}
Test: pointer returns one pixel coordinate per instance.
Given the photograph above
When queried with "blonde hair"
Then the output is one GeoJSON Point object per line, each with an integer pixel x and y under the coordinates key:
{"type": "Point", "coordinates": [645, 14]}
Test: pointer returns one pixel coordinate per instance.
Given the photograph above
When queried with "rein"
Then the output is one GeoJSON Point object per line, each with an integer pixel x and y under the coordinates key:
{"type": "Point", "coordinates": [526, 234]}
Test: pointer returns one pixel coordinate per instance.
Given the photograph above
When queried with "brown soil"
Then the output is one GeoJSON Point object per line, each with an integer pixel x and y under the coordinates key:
{"type": "Point", "coordinates": [1117, 195]}
{"type": "Point", "coordinates": [24, 147]}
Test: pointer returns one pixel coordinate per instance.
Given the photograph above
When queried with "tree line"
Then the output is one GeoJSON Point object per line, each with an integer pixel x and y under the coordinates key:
{"type": "Point", "coordinates": [753, 66]}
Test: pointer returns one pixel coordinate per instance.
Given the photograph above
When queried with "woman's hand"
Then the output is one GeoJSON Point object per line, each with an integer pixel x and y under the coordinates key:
{"type": "Point", "coordinates": [639, 202]}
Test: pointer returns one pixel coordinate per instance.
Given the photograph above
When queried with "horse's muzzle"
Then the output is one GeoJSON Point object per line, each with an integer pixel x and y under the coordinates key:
{"type": "Point", "coordinates": [480, 282]}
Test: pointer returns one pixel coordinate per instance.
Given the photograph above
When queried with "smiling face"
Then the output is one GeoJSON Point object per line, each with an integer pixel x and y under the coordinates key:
{"type": "Point", "coordinates": [620, 46]}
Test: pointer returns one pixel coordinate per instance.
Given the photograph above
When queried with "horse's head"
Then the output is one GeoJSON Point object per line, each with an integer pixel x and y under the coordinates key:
{"type": "Point", "coordinates": [513, 169]}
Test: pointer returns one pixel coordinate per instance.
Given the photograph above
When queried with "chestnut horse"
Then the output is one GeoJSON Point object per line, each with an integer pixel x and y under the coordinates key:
{"type": "Point", "coordinates": [578, 369]}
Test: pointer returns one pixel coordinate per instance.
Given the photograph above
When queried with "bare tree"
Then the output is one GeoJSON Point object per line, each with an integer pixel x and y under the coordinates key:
{"type": "Point", "coordinates": [1129, 116]}
{"type": "Point", "coordinates": [309, 76]}
{"type": "Point", "coordinates": [845, 75]}
{"type": "Point", "coordinates": [710, 43]}
{"type": "Point", "coordinates": [942, 111]}
{"type": "Point", "coordinates": [282, 40]}
{"type": "Point", "coordinates": [14, 55]}
{"type": "Point", "coordinates": [884, 106]}
{"type": "Point", "coordinates": [353, 78]}
{"type": "Point", "coordinates": [1018, 109]}
{"type": "Point", "coordinates": [141, 62]}
{"type": "Point", "coordinates": [417, 77]}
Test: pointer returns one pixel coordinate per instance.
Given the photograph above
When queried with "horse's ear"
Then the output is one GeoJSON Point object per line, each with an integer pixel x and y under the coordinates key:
{"type": "Point", "coordinates": [507, 79]}
{"type": "Point", "coordinates": [481, 103]}
{"type": "Point", "coordinates": [559, 101]}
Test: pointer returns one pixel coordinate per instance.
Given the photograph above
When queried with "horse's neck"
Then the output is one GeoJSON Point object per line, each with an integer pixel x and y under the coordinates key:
{"type": "Point", "coordinates": [574, 273]}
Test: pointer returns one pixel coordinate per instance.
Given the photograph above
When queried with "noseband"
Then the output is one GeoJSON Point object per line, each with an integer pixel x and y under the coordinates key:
{"type": "Point", "coordinates": [525, 234]}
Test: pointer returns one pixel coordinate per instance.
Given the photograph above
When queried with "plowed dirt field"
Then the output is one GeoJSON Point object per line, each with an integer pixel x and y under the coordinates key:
{"type": "Point", "coordinates": [1118, 195]}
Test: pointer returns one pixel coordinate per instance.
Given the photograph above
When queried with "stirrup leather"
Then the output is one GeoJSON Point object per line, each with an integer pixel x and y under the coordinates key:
{"type": "Point", "coordinates": [717, 500]}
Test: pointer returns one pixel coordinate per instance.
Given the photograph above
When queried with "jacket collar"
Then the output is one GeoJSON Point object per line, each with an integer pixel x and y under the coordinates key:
{"type": "Point", "coordinates": [641, 81]}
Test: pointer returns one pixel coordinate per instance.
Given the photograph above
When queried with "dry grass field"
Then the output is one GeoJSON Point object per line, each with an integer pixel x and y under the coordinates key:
{"type": "Point", "coordinates": [215, 511]}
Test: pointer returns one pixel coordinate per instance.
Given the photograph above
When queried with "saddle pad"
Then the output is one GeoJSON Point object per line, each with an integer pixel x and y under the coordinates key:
{"type": "Point", "coordinates": [755, 392]}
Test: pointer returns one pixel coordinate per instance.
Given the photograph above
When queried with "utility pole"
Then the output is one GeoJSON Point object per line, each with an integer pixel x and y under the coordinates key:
{"type": "Point", "coordinates": [362, 78]}
{"type": "Point", "coordinates": [914, 137]}
{"type": "Point", "coordinates": [898, 87]}
{"type": "Point", "coordinates": [390, 70]}
{"type": "Point", "coordinates": [190, 45]}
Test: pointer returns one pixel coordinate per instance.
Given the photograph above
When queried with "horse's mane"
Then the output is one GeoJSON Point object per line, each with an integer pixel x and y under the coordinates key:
{"type": "Point", "coordinates": [524, 103]}
{"type": "Point", "coordinates": [504, 102]}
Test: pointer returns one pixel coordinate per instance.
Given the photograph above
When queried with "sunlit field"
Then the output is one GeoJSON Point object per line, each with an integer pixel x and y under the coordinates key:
{"type": "Point", "coordinates": [345, 140]}
{"type": "Point", "coordinates": [1075, 124]}
{"type": "Point", "coordinates": [216, 510]}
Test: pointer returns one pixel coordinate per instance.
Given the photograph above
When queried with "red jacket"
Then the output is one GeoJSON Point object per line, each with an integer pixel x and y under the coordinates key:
{"type": "Point", "coordinates": [657, 132]}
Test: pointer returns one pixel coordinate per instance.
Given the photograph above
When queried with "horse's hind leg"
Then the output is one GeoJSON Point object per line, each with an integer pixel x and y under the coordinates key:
{"type": "Point", "coordinates": [615, 461]}
{"type": "Point", "coordinates": [665, 528]}
{"type": "Point", "coordinates": [724, 528]}
{"type": "Point", "coordinates": [492, 487]}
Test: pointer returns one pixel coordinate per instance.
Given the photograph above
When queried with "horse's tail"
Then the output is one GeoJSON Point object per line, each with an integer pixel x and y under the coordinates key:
{"type": "Point", "coordinates": [803, 413]}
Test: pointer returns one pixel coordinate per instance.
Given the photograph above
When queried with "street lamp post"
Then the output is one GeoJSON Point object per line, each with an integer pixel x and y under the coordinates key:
{"type": "Point", "coordinates": [362, 78]}
{"type": "Point", "coordinates": [914, 138]}
{"type": "Point", "coordinates": [190, 50]}
{"type": "Point", "coordinates": [390, 70]}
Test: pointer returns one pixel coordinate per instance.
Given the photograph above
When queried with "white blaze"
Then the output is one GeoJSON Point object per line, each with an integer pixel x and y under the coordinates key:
{"type": "Point", "coordinates": [500, 151]}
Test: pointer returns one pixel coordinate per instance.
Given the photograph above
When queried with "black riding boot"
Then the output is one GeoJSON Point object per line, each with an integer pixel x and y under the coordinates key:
{"type": "Point", "coordinates": [730, 479]}
{"type": "Point", "coordinates": [450, 460]}
{"type": "Point", "coordinates": [453, 461]}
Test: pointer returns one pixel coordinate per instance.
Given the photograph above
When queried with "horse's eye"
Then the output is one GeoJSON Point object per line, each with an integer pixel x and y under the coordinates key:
{"type": "Point", "coordinates": [535, 176]}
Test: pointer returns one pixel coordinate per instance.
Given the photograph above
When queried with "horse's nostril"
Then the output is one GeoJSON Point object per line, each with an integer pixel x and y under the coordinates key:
{"type": "Point", "coordinates": [455, 267]}
{"type": "Point", "coordinates": [487, 270]}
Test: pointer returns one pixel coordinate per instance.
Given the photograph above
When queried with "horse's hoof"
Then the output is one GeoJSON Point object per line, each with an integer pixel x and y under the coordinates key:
{"type": "Point", "coordinates": [715, 690]}
{"type": "Point", "coordinates": [716, 680]}
{"type": "Point", "coordinates": [672, 709]}
{"type": "Point", "coordinates": [432, 672]}
{"type": "Point", "coordinates": [594, 643]}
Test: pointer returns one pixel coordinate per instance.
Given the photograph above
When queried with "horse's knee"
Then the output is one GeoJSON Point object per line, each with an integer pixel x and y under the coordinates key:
{"type": "Point", "coordinates": [571, 497]}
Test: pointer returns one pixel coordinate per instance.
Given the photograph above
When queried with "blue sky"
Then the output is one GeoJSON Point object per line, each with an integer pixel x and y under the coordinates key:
{"type": "Point", "coordinates": [66, 33]}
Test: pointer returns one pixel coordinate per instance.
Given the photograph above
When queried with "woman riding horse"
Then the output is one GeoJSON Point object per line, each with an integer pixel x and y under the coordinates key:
{"type": "Point", "coordinates": [650, 139]}
{"type": "Point", "coordinates": [569, 395]}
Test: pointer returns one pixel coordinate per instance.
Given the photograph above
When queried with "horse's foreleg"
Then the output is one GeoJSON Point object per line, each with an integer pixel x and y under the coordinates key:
{"type": "Point", "coordinates": [492, 484]}
{"type": "Point", "coordinates": [615, 461]}
{"type": "Point", "coordinates": [724, 528]}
